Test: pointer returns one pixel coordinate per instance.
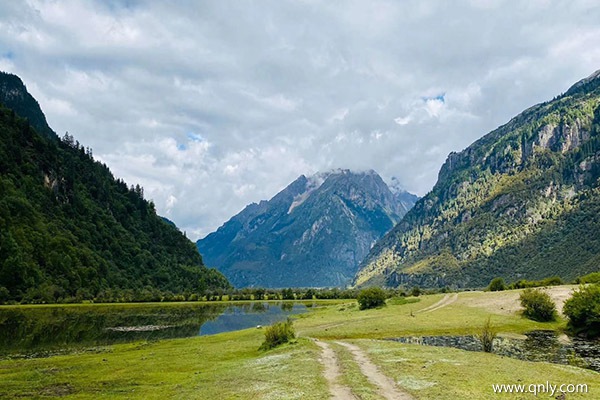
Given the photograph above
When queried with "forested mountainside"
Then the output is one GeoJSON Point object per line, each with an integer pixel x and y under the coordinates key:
{"type": "Point", "coordinates": [521, 202]}
{"type": "Point", "coordinates": [70, 230]}
{"type": "Point", "coordinates": [14, 95]}
{"type": "Point", "coordinates": [313, 233]}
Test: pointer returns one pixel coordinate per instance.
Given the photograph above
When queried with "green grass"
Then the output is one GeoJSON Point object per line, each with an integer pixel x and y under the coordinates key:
{"type": "Point", "coordinates": [230, 366]}
{"type": "Point", "coordinates": [443, 373]}
{"type": "Point", "coordinates": [226, 366]}
{"type": "Point", "coordinates": [344, 321]}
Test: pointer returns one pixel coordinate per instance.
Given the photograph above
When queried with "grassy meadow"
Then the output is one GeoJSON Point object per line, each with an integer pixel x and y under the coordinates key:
{"type": "Point", "coordinates": [230, 366]}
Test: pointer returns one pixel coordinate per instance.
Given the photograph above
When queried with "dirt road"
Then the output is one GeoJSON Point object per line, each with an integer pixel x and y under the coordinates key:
{"type": "Point", "coordinates": [444, 302]}
{"type": "Point", "coordinates": [385, 386]}
{"type": "Point", "coordinates": [332, 373]}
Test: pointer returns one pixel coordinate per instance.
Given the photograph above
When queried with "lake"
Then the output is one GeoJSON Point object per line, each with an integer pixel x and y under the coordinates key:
{"type": "Point", "coordinates": [39, 331]}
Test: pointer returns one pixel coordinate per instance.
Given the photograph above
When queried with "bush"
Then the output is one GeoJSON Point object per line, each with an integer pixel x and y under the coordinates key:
{"type": "Point", "coordinates": [371, 298]}
{"type": "Point", "coordinates": [551, 281]}
{"type": "Point", "coordinates": [497, 285]}
{"type": "Point", "coordinates": [583, 311]}
{"type": "Point", "coordinates": [277, 334]}
{"type": "Point", "coordinates": [487, 336]}
{"type": "Point", "coordinates": [415, 291]}
{"type": "Point", "coordinates": [398, 301]}
{"type": "Point", "coordinates": [4, 295]}
{"type": "Point", "coordinates": [594, 277]}
{"type": "Point", "coordinates": [538, 305]}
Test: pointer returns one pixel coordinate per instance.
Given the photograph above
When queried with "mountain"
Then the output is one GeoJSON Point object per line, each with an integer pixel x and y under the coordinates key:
{"type": "Point", "coordinates": [404, 200]}
{"type": "Point", "coordinates": [14, 95]}
{"type": "Point", "coordinates": [70, 230]}
{"type": "Point", "coordinates": [523, 202]}
{"type": "Point", "coordinates": [313, 233]}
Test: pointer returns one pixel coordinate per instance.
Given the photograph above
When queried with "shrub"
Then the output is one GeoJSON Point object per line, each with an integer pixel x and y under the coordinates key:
{"type": "Point", "coordinates": [277, 334]}
{"type": "Point", "coordinates": [4, 295]}
{"type": "Point", "coordinates": [415, 291]}
{"type": "Point", "coordinates": [496, 285]}
{"type": "Point", "coordinates": [552, 281]}
{"type": "Point", "coordinates": [398, 301]}
{"type": "Point", "coordinates": [538, 305]}
{"type": "Point", "coordinates": [583, 311]}
{"type": "Point", "coordinates": [594, 277]}
{"type": "Point", "coordinates": [371, 298]}
{"type": "Point", "coordinates": [487, 336]}
{"type": "Point", "coordinates": [523, 283]}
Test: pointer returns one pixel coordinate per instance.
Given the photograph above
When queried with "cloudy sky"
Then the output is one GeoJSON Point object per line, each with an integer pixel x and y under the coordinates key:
{"type": "Point", "coordinates": [211, 105]}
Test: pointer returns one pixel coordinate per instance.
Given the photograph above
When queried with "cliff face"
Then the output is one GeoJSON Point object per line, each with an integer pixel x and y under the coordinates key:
{"type": "Point", "coordinates": [313, 233]}
{"type": "Point", "coordinates": [521, 202]}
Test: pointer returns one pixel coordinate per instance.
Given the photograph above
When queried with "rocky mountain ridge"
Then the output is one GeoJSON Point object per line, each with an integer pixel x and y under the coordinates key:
{"type": "Point", "coordinates": [313, 233]}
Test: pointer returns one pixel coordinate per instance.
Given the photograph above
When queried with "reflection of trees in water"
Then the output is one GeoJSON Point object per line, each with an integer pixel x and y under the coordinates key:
{"type": "Point", "coordinates": [50, 328]}
{"type": "Point", "coordinates": [259, 307]}
{"type": "Point", "coordinates": [29, 330]}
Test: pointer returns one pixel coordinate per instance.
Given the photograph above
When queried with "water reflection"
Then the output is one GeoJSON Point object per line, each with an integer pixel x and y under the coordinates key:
{"type": "Point", "coordinates": [538, 346]}
{"type": "Point", "coordinates": [239, 317]}
{"type": "Point", "coordinates": [42, 331]}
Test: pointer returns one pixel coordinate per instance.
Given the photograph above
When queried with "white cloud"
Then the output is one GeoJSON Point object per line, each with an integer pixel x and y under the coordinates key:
{"type": "Point", "coordinates": [170, 203]}
{"type": "Point", "coordinates": [213, 105]}
{"type": "Point", "coordinates": [403, 120]}
{"type": "Point", "coordinates": [434, 107]}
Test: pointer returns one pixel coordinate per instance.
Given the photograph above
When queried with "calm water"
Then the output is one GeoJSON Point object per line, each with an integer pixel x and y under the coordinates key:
{"type": "Point", "coordinates": [42, 331]}
{"type": "Point", "coordinates": [538, 346]}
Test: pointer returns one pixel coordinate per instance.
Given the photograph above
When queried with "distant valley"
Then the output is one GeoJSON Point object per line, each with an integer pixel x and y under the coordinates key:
{"type": "Point", "coordinates": [522, 202]}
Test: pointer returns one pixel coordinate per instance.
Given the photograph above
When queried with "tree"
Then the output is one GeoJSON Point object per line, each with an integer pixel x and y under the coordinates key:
{"type": "Point", "coordinates": [415, 291]}
{"type": "Point", "coordinates": [496, 285]}
{"type": "Point", "coordinates": [372, 297]}
{"type": "Point", "coordinates": [259, 294]}
{"type": "Point", "coordinates": [287, 294]}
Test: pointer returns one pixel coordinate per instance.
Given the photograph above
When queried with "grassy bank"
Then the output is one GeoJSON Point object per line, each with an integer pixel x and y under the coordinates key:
{"type": "Point", "coordinates": [458, 318]}
{"type": "Point", "coordinates": [229, 366]}
{"type": "Point", "coordinates": [446, 374]}
{"type": "Point", "coordinates": [221, 366]}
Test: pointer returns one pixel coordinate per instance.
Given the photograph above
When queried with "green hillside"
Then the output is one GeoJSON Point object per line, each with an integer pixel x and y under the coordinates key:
{"type": "Point", "coordinates": [70, 231]}
{"type": "Point", "coordinates": [521, 202]}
